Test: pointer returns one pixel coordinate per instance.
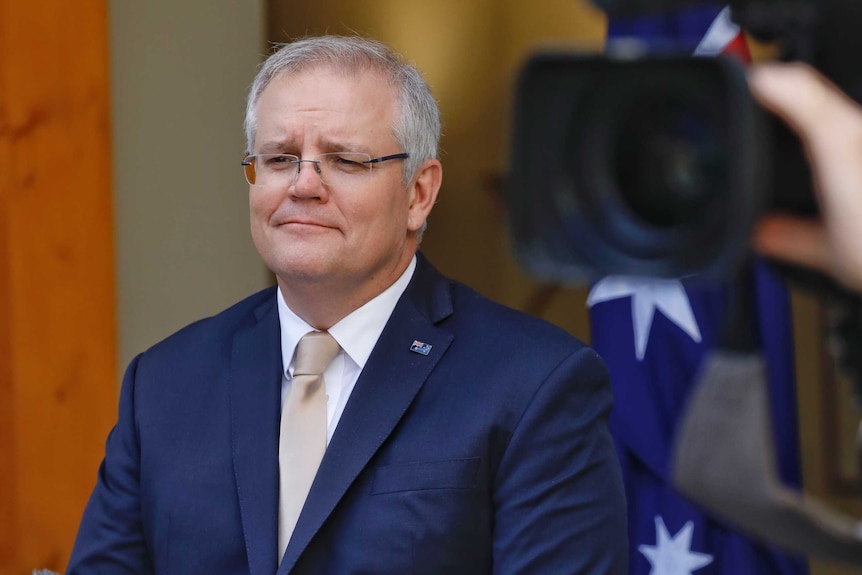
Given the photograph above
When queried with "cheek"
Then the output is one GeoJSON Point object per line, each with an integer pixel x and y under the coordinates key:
{"type": "Point", "coordinates": [377, 221]}
{"type": "Point", "coordinates": [260, 206]}
{"type": "Point", "coordinates": [260, 209]}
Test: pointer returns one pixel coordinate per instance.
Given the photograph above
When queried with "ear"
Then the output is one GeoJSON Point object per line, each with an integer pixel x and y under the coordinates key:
{"type": "Point", "coordinates": [423, 193]}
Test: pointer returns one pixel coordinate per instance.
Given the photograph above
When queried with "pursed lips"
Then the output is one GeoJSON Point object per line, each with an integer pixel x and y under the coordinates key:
{"type": "Point", "coordinates": [305, 222]}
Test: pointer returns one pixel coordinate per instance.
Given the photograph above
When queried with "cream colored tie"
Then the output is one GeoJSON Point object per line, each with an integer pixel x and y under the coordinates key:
{"type": "Point", "coordinates": [302, 439]}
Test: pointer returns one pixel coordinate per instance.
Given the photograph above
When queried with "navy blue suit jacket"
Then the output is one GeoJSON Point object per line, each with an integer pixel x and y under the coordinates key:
{"type": "Point", "coordinates": [488, 455]}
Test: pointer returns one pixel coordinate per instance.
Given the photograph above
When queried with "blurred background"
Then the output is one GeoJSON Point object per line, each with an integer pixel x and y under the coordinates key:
{"type": "Point", "coordinates": [123, 211]}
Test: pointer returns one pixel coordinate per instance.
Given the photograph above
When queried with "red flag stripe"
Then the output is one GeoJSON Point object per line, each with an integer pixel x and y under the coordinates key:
{"type": "Point", "coordinates": [739, 47]}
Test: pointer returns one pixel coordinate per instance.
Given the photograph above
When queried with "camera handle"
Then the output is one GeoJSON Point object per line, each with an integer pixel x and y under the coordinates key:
{"type": "Point", "coordinates": [791, 24]}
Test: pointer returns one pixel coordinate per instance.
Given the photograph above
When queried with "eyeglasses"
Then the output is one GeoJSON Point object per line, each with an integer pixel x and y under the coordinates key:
{"type": "Point", "coordinates": [334, 169]}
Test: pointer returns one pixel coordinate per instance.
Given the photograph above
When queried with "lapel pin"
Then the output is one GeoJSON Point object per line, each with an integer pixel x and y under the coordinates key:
{"type": "Point", "coordinates": [420, 347]}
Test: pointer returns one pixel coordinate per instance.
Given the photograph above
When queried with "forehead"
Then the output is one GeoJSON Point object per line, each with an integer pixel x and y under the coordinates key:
{"type": "Point", "coordinates": [322, 102]}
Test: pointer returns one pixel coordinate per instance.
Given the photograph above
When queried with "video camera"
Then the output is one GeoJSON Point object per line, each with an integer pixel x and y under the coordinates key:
{"type": "Point", "coordinates": [657, 163]}
{"type": "Point", "coordinates": [634, 162]}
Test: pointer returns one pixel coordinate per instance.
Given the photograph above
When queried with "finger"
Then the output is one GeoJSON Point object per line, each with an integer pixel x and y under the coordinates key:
{"type": "Point", "coordinates": [830, 126]}
{"type": "Point", "coordinates": [800, 96]}
{"type": "Point", "coordinates": [794, 240]}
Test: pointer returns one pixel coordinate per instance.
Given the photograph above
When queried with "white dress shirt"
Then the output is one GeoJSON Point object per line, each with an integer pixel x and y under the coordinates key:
{"type": "Point", "coordinates": [357, 334]}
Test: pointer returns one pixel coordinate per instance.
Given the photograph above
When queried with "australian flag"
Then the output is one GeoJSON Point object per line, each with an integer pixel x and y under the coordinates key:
{"type": "Point", "coordinates": [653, 335]}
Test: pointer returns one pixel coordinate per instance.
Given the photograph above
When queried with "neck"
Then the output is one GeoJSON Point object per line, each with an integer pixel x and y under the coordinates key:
{"type": "Point", "coordinates": [322, 302]}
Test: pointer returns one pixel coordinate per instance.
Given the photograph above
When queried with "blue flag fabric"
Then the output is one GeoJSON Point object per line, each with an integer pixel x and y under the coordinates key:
{"type": "Point", "coordinates": [680, 31]}
{"type": "Point", "coordinates": [653, 335]}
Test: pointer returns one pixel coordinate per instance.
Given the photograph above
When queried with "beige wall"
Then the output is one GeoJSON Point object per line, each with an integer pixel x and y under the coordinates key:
{"type": "Point", "coordinates": [179, 73]}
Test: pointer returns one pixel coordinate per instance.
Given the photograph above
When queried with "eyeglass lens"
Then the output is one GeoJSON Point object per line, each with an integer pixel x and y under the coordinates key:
{"type": "Point", "coordinates": [283, 169]}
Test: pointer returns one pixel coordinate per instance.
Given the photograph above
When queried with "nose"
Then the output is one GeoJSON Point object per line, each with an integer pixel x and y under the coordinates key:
{"type": "Point", "coordinates": [308, 183]}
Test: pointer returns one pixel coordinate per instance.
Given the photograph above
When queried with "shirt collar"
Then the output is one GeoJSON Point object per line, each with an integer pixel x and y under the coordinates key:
{"type": "Point", "coordinates": [356, 333]}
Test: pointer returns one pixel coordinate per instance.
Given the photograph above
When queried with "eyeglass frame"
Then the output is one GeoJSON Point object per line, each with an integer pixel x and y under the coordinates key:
{"type": "Point", "coordinates": [299, 161]}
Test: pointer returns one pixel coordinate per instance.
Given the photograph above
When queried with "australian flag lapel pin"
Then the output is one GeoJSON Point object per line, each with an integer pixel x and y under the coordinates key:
{"type": "Point", "coordinates": [420, 347]}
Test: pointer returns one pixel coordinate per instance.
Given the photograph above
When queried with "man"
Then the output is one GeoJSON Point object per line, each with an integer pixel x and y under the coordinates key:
{"type": "Point", "coordinates": [460, 436]}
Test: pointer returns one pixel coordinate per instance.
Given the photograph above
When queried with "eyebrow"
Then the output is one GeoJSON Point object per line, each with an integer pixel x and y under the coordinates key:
{"type": "Point", "coordinates": [276, 146]}
{"type": "Point", "coordinates": [341, 147]}
{"type": "Point", "coordinates": [282, 147]}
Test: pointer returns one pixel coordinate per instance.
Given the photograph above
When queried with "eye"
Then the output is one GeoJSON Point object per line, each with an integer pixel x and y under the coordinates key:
{"type": "Point", "coordinates": [348, 162]}
{"type": "Point", "coordinates": [278, 161]}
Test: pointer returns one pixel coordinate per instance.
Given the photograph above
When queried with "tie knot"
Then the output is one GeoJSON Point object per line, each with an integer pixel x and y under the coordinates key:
{"type": "Point", "coordinates": [314, 352]}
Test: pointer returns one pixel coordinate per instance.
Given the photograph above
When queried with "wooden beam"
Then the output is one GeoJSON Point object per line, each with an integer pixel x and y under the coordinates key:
{"type": "Point", "coordinates": [57, 343]}
{"type": "Point", "coordinates": [7, 471]}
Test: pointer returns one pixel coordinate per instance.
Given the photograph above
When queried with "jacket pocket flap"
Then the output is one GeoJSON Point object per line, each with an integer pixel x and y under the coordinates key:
{"type": "Point", "coordinates": [422, 475]}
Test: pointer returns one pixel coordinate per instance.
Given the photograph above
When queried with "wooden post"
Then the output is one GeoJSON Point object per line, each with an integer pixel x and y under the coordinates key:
{"type": "Point", "coordinates": [57, 343]}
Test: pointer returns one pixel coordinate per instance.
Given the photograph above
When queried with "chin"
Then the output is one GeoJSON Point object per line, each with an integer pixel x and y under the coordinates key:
{"type": "Point", "coordinates": [301, 267]}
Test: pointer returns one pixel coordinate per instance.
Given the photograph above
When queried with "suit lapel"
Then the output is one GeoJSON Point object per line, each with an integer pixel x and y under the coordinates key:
{"type": "Point", "coordinates": [255, 386]}
{"type": "Point", "coordinates": [387, 386]}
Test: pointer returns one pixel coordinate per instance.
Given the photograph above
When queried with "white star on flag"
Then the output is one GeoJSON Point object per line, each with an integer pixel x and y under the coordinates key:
{"type": "Point", "coordinates": [647, 295]}
{"type": "Point", "coordinates": [673, 555]}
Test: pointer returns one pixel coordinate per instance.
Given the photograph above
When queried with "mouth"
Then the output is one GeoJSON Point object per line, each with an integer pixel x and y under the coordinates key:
{"type": "Point", "coordinates": [299, 223]}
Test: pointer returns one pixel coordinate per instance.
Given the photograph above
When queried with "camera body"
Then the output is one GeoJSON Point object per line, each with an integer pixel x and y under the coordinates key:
{"type": "Point", "coordinates": [638, 163]}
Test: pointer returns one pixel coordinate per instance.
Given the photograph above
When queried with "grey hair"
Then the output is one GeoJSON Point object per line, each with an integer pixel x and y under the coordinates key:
{"type": "Point", "coordinates": [417, 128]}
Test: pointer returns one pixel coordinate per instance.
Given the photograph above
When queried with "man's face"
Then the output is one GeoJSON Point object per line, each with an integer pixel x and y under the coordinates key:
{"type": "Point", "coordinates": [358, 237]}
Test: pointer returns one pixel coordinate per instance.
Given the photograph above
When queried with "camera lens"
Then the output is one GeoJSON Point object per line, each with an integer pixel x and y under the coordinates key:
{"type": "Point", "coordinates": [637, 166]}
{"type": "Point", "coordinates": [668, 160]}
